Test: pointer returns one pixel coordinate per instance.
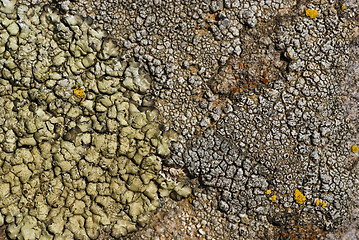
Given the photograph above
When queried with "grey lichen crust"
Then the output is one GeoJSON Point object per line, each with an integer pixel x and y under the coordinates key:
{"type": "Point", "coordinates": [79, 146]}
{"type": "Point", "coordinates": [269, 142]}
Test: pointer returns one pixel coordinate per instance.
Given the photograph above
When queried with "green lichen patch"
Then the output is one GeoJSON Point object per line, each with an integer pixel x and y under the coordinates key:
{"type": "Point", "coordinates": [80, 150]}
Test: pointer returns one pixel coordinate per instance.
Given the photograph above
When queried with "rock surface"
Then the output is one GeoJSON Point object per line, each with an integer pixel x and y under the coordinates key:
{"type": "Point", "coordinates": [256, 100]}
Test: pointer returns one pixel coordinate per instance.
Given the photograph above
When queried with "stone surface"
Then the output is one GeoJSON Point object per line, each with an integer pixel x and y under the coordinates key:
{"type": "Point", "coordinates": [263, 99]}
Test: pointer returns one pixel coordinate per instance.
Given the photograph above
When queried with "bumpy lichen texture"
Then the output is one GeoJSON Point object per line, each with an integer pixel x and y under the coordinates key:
{"type": "Point", "coordinates": [79, 148]}
{"type": "Point", "coordinates": [205, 57]}
{"type": "Point", "coordinates": [292, 132]}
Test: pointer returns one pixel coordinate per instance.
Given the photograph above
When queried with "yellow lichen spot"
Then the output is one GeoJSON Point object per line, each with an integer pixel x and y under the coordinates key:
{"type": "Point", "coordinates": [190, 198]}
{"type": "Point", "coordinates": [299, 197]}
{"type": "Point", "coordinates": [343, 7]}
{"type": "Point", "coordinates": [311, 13]}
{"type": "Point", "coordinates": [79, 92]}
{"type": "Point", "coordinates": [43, 77]}
{"type": "Point", "coordinates": [290, 55]}
{"type": "Point", "coordinates": [273, 198]}
{"type": "Point", "coordinates": [268, 191]}
{"type": "Point", "coordinates": [318, 202]}
{"type": "Point", "coordinates": [355, 149]}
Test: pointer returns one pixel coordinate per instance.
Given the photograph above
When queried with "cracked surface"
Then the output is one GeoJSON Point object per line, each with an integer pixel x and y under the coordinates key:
{"type": "Point", "coordinates": [262, 97]}
{"type": "Point", "coordinates": [79, 146]}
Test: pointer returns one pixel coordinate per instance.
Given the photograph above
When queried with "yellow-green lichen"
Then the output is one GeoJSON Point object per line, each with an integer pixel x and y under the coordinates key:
{"type": "Point", "coordinates": [355, 149]}
{"type": "Point", "coordinates": [96, 164]}
{"type": "Point", "coordinates": [190, 198]}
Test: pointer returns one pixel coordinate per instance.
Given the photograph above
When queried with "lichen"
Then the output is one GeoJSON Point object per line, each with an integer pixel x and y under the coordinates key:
{"type": "Point", "coordinates": [319, 202]}
{"type": "Point", "coordinates": [79, 92]}
{"type": "Point", "coordinates": [355, 149]}
{"type": "Point", "coordinates": [273, 198]}
{"type": "Point", "coordinates": [311, 13]}
{"type": "Point", "coordinates": [43, 77]}
{"type": "Point", "coordinates": [299, 197]}
{"type": "Point", "coordinates": [190, 198]}
{"type": "Point", "coordinates": [98, 164]}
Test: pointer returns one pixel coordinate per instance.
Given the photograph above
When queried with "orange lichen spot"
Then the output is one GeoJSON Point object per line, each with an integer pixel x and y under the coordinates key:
{"type": "Point", "coordinates": [311, 13]}
{"type": "Point", "coordinates": [264, 62]}
{"type": "Point", "coordinates": [276, 30]}
{"type": "Point", "coordinates": [289, 55]}
{"type": "Point", "coordinates": [299, 197]}
{"type": "Point", "coordinates": [268, 191]}
{"type": "Point", "coordinates": [343, 7]}
{"type": "Point", "coordinates": [43, 77]}
{"type": "Point", "coordinates": [241, 65]}
{"type": "Point", "coordinates": [230, 66]}
{"type": "Point", "coordinates": [242, 56]}
{"type": "Point", "coordinates": [245, 86]}
{"type": "Point", "coordinates": [79, 92]}
{"type": "Point", "coordinates": [319, 202]}
{"type": "Point", "coordinates": [264, 73]}
{"type": "Point", "coordinates": [212, 16]}
{"type": "Point", "coordinates": [235, 89]}
{"type": "Point", "coordinates": [355, 149]}
{"type": "Point", "coordinates": [237, 77]}
{"type": "Point", "coordinates": [273, 198]}
{"type": "Point", "coordinates": [264, 80]}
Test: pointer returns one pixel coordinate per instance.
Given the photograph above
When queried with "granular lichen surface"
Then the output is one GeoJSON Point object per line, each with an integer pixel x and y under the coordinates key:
{"type": "Point", "coordinates": [255, 100]}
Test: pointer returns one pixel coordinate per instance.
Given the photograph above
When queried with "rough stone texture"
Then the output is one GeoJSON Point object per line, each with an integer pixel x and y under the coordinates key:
{"type": "Point", "coordinates": [262, 97]}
